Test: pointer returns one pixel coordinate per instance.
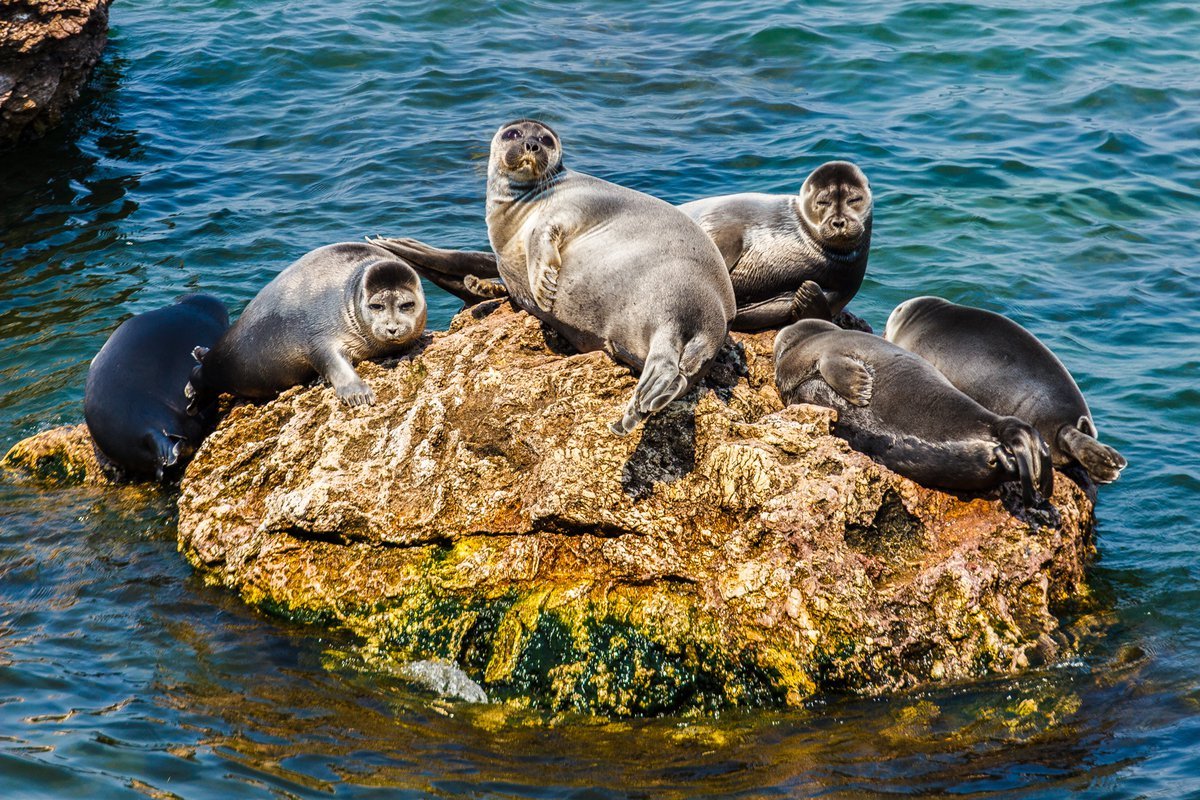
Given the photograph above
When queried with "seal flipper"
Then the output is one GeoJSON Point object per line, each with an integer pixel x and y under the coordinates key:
{"type": "Point", "coordinates": [848, 377]}
{"type": "Point", "coordinates": [1102, 462]}
{"type": "Point", "coordinates": [1031, 455]}
{"type": "Point", "coordinates": [810, 302]}
{"type": "Point", "coordinates": [662, 381]}
{"type": "Point", "coordinates": [543, 261]}
{"type": "Point", "coordinates": [195, 391]}
{"type": "Point", "coordinates": [349, 387]}
{"type": "Point", "coordinates": [448, 262]}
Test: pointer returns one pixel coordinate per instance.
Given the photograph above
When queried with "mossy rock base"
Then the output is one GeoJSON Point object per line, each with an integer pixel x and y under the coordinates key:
{"type": "Point", "coordinates": [730, 552]}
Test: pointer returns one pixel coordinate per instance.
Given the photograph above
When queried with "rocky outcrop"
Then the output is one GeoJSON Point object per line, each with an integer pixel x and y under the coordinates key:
{"type": "Point", "coordinates": [47, 51]}
{"type": "Point", "coordinates": [729, 552]}
{"type": "Point", "coordinates": [59, 455]}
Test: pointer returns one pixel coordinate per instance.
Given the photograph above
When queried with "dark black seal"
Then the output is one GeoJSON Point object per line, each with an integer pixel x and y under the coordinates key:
{"type": "Point", "coordinates": [898, 409]}
{"type": "Point", "coordinates": [134, 403]}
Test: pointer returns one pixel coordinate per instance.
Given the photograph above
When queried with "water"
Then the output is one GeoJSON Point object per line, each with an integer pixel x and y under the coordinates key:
{"type": "Point", "coordinates": [1042, 163]}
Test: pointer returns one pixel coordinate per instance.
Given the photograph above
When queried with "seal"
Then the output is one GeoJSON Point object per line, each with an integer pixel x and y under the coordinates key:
{"type": "Point", "coordinates": [1006, 369]}
{"type": "Point", "coordinates": [609, 268]}
{"type": "Point", "coordinates": [332, 308]}
{"type": "Point", "coordinates": [792, 257]}
{"type": "Point", "coordinates": [789, 257]}
{"type": "Point", "coordinates": [134, 402]}
{"type": "Point", "coordinates": [898, 409]}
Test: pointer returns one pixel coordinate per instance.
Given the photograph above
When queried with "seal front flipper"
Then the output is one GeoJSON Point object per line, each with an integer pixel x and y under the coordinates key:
{"type": "Point", "coordinates": [350, 388]}
{"type": "Point", "coordinates": [449, 262]}
{"type": "Point", "coordinates": [1026, 454]}
{"type": "Point", "coordinates": [543, 260]}
{"type": "Point", "coordinates": [848, 377]}
{"type": "Point", "coordinates": [1102, 462]}
{"type": "Point", "coordinates": [810, 302]}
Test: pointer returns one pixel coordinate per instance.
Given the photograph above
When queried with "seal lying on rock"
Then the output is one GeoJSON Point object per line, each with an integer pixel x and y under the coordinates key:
{"type": "Point", "coordinates": [134, 402]}
{"type": "Point", "coordinates": [1007, 370]}
{"type": "Point", "coordinates": [607, 267]}
{"type": "Point", "coordinates": [334, 307]}
{"type": "Point", "coordinates": [788, 257]}
{"type": "Point", "coordinates": [793, 257]}
{"type": "Point", "coordinates": [898, 409]}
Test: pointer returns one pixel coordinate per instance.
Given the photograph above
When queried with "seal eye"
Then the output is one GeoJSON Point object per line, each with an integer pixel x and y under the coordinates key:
{"type": "Point", "coordinates": [823, 203]}
{"type": "Point", "coordinates": [855, 200]}
{"type": "Point", "coordinates": [375, 306]}
{"type": "Point", "coordinates": [511, 133]}
{"type": "Point", "coordinates": [546, 141]}
{"type": "Point", "coordinates": [409, 306]}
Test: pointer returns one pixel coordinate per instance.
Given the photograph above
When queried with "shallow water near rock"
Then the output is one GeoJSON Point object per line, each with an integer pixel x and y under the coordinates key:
{"type": "Point", "coordinates": [1039, 163]}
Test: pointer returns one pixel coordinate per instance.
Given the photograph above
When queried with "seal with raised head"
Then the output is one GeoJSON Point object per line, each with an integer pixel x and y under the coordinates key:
{"type": "Point", "coordinates": [793, 257]}
{"type": "Point", "coordinates": [1006, 369]}
{"type": "Point", "coordinates": [788, 256]}
{"type": "Point", "coordinates": [332, 308]}
{"type": "Point", "coordinates": [134, 402]}
{"type": "Point", "coordinates": [608, 267]}
{"type": "Point", "coordinates": [898, 409]}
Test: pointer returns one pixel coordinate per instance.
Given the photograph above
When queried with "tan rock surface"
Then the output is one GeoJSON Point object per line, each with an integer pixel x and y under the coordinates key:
{"type": "Point", "coordinates": [729, 552]}
{"type": "Point", "coordinates": [47, 51]}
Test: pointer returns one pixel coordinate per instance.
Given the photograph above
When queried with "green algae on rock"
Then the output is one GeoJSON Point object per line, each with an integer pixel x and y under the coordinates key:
{"type": "Point", "coordinates": [729, 553]}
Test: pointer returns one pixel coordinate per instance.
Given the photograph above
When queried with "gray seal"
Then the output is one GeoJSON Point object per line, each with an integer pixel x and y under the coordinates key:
{"type": "Point", "coordinates": [898, 409]}
{"type": "Point", "coordinates": [792, 257]}
{"type": "Point", "coordinates": [1006, 369]}
{"type": "Point", "coordinates": [324, 313]}
{"type": "Point", "coordinates": [609, 268]}
{"type": "Point", "coordinates": [134, 401]}
{"type": "Point", "coordinates": [789, 257]}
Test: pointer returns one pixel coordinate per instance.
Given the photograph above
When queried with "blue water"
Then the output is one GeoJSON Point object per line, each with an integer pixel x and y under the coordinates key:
{"type": "Point", "coordinates": [1041, 163]}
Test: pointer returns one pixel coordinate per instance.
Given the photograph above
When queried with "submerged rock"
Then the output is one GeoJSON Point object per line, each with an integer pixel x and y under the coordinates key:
{"type": "Point", "coordinates": [47, 51]}
{"type": "Point", "coordinates": [444, 679]}
{"type": "Point", "coordinates": [729, 552]}
{"type": "Point", "coordinates": [64, 455]}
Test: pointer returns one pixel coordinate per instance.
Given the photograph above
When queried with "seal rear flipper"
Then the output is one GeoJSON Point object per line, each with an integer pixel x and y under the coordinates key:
{"type": "Point", "coordinates": [436, 259]}
{"type": "Point", "coordinates": [1102, 462]}
{"type": "Point", "coordinates": [847, 376]}
{"type": "Point", "coordinates": [1029, 457]}
{"type": "Point", "coordinates": [468, 288]}
{"type": "Point", "coordinates": [662, 381]}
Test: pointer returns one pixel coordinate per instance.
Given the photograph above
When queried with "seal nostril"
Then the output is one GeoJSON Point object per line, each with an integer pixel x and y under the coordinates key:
{"type": "Point", "coordinates": [531, 147]}
{"type": "Point", "coordinates": [838, 223]}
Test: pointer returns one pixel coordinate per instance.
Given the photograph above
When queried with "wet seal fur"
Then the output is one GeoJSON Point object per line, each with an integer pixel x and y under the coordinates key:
{"type": "Point", "coordinates": [793, 257]}
{"type": "Point", "coordinates": [134, 402]}
{"type": "Point", "coordinates": [607, 267]}
{"type": "Point", "coordinates": [895, 407]}
{"type": "Point", "coordinates": [1006, 369]}
{"type": "Point", "coordinates": [336, 306]}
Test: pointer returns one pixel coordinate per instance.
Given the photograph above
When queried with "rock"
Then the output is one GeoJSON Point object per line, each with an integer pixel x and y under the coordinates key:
{"type": "Point", "coordinates": [47, 51]}
{"type": "Point", "coordinates": [445, 680]}
{"type": "Point", "coordinates": [57, 455]}
{"type": "Point", "coordinates": [729, 553]}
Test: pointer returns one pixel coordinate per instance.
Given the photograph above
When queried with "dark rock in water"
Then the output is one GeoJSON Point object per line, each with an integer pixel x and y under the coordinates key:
{"type": "Point", "coordinates": [731, 552]}
{"type": "Point", "coordinates": [47, 51]}
{"type": "Point", "coordinates": [445, 680]}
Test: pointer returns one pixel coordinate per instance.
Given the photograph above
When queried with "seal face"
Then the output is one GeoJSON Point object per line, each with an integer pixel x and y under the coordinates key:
{"type": "Point", "coordinates": [607, 267]}
{"type": "Point", "coordinates": [1006, 369]}
{"type": "Point", "coordinates": [793, 257]}
{"type": "Point", "coordinates": [324, 313]}
{"type": "Point", "coordinates": [134, 401]}
{"type": "Point", "coordinates": [896, 408]}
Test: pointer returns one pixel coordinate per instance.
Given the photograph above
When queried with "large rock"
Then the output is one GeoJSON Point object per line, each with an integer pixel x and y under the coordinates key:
{"type": "Point", "coordinates": [730, 552]}
{"type": "Point", "coordinates": [47, 51]}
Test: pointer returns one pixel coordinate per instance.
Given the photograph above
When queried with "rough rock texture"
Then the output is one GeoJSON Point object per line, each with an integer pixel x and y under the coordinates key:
{"type": "Point", "coordinates": [47, 51]}
{"type": "Point", "coordinates": [59, 454]}
{"type": "Point", "coordinates": [730, 552]}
